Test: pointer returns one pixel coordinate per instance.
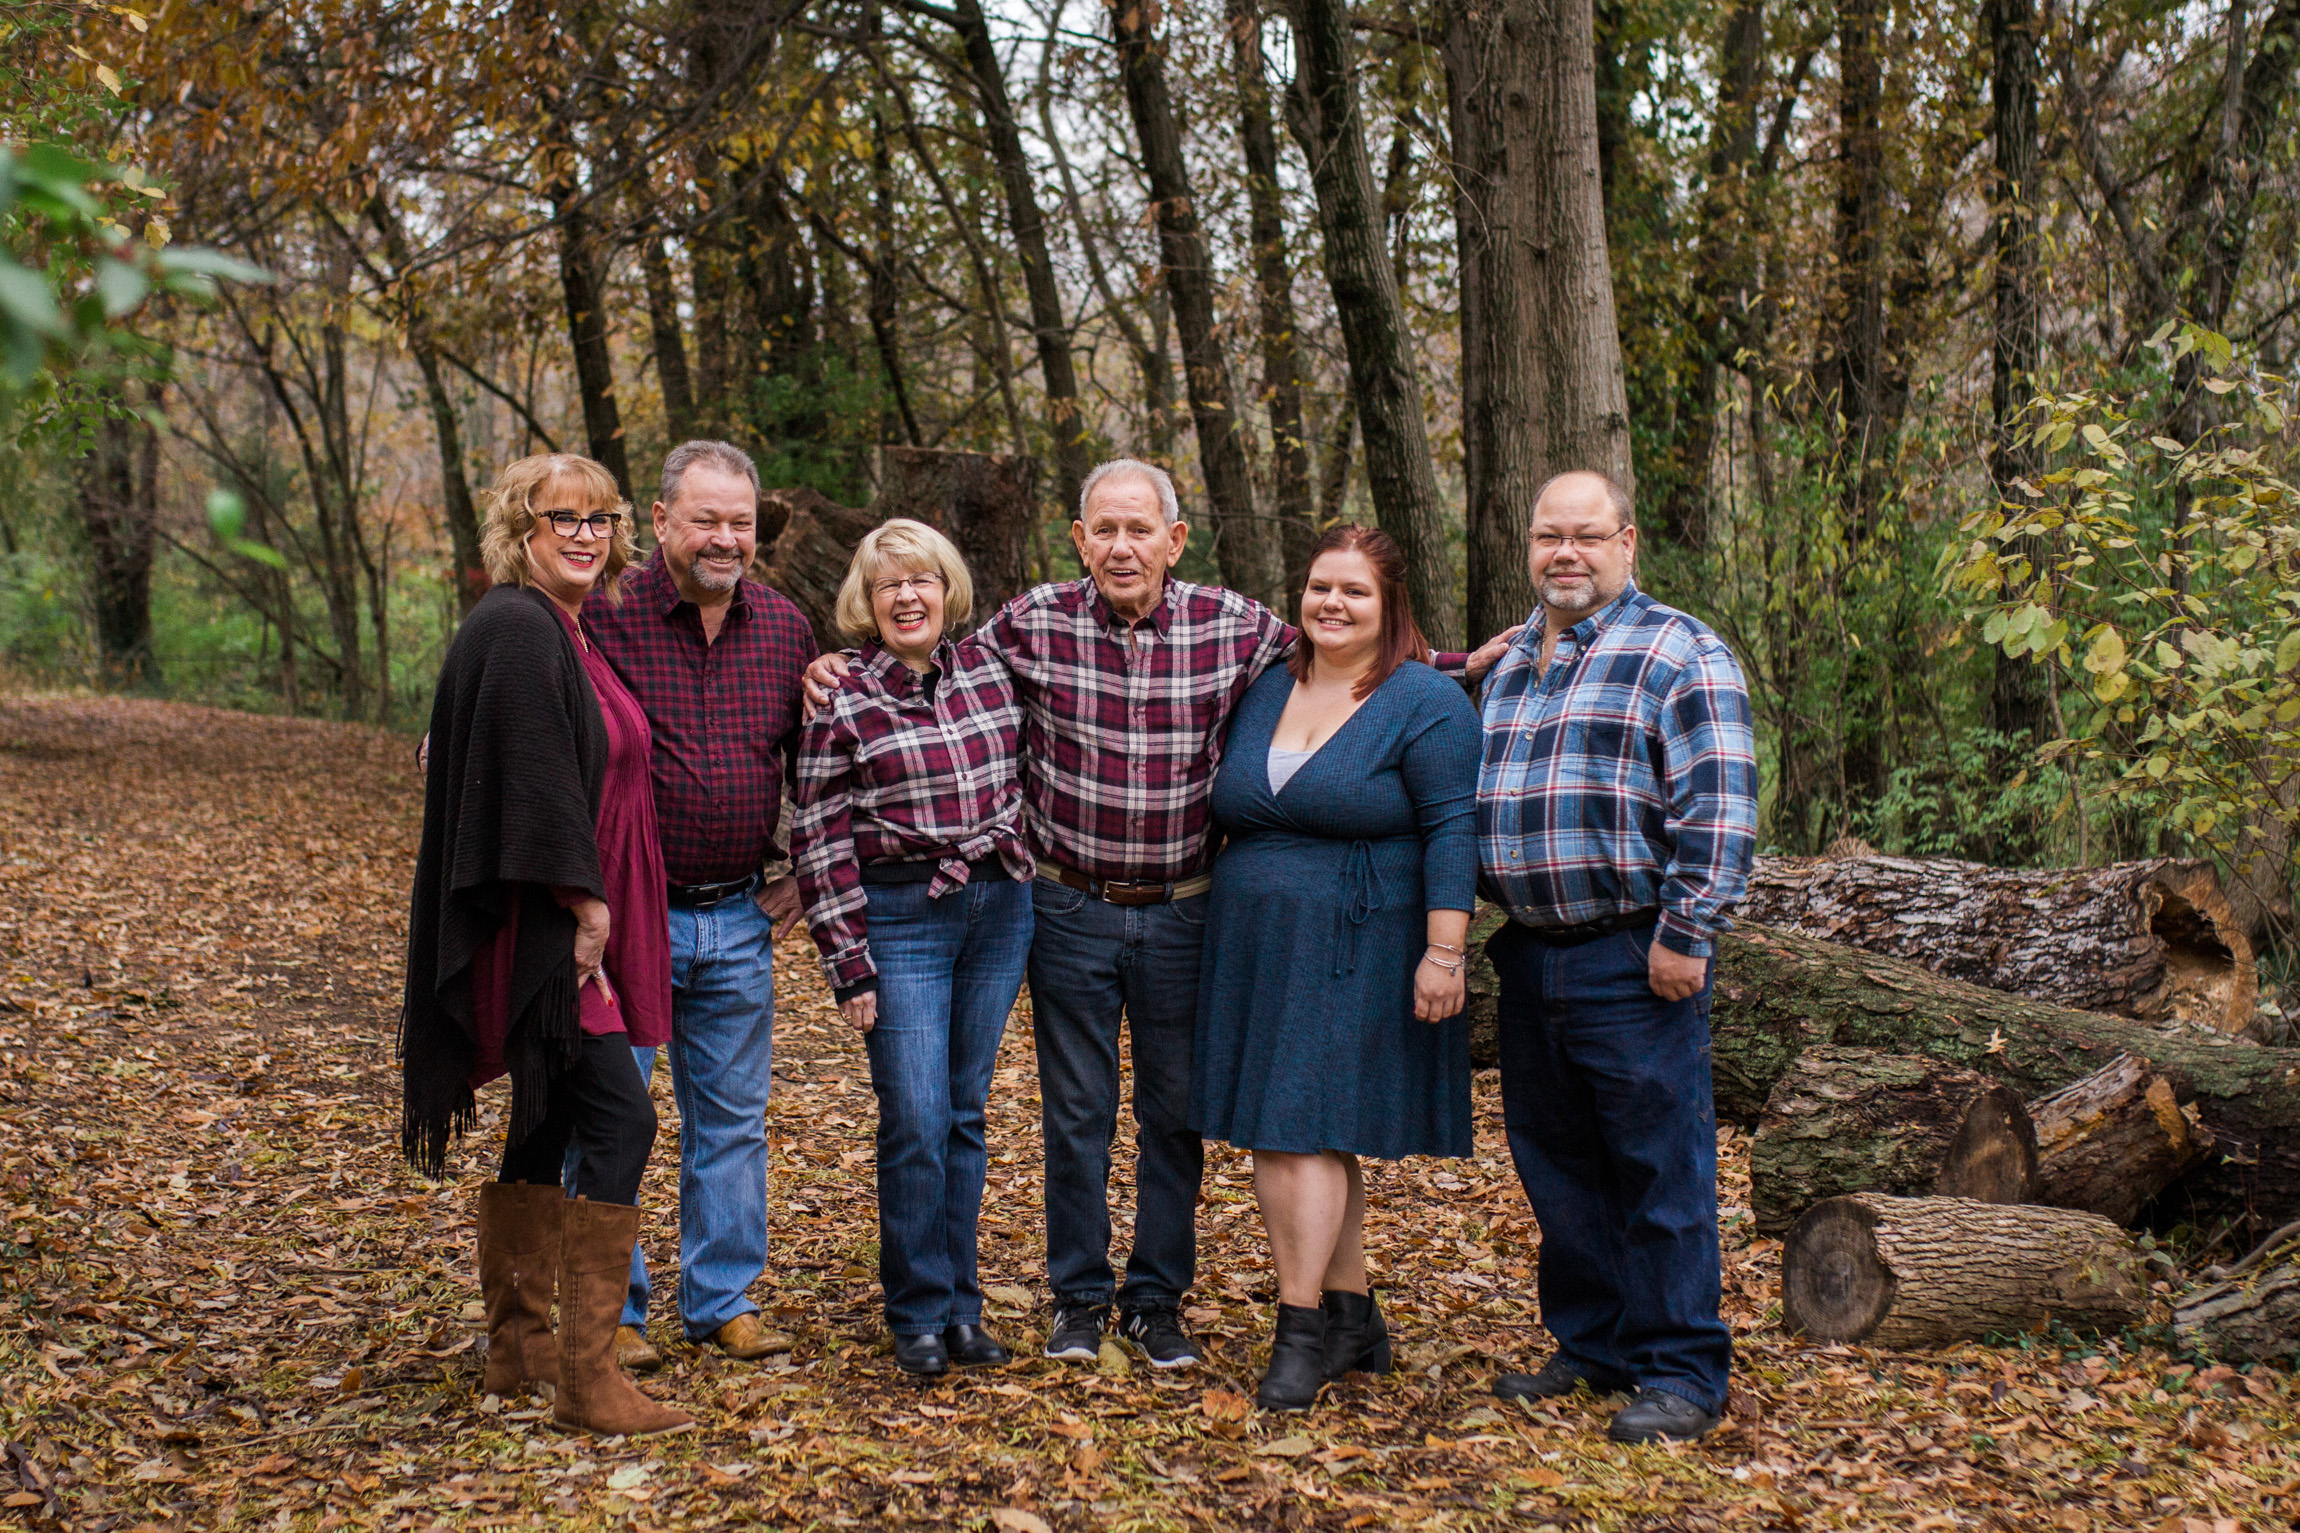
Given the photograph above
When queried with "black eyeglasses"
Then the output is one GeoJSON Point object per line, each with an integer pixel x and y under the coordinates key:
{"type": "Point", "coordinates": [601, 523]}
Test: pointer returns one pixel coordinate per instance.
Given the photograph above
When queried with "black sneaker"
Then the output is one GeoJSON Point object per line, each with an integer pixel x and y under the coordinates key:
{"type": "Point", "coordinates": [1158, 1335]}
{"type": "Point", "coordinates": [1656, 1415]}
{"type": "Point", "coordinates": [1078, 1330]}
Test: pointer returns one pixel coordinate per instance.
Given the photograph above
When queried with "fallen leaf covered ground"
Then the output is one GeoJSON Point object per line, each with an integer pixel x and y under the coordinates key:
{"type": "Point", "coordinates": [228, 1304]}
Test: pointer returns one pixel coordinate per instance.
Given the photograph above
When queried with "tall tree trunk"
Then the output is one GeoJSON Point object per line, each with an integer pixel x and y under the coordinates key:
{"type": "Point", "coordinates": [1017, 179]}
{"type": "Point", "coordinates": [118, 483]}
{"type": "Point", "coordinates": [1251, 559]}
{"type": "Point", "coordinates": [2020, 699]}
{"type": "Point", "coordinates": [1542, 386]}
{"type": "Point", "coordinates": [670, 337]}
{"type": "Point", "coordinates": [1274, 293]}
{"type": "Point", "coordinates": [885, 290]}
{"type": "Point", "coordinates": [470, 574]}
{"type": "Point", "coordinates": [1322, 110]}
{"type": "Point", "coordinates": [580, 276]}
{"type": "Point", "coordinates": [1722, 271]}
{"type": "Point", "coordinates": [1851, 384]}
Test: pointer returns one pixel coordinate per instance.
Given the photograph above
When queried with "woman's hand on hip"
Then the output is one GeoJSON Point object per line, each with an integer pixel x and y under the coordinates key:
{"type": "Point", "coordinates": [590, 938]}
{"type": "Point", "coordinates": [1439, 992]}
{"type": "Point", "coordinates": [861, 1011]}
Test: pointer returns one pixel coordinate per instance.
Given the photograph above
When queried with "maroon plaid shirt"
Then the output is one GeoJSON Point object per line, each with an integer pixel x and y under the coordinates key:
{"type": "Point", "coordinates": [725, 714]}
{"type": "Point", "coordinates": [1124, 723]}
{"type": "Point", "coordinates": [895, 771]}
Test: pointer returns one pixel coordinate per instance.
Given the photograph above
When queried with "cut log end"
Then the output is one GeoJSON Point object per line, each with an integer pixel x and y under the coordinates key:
{"type": "Point", "coordinates": [1838, 1288]}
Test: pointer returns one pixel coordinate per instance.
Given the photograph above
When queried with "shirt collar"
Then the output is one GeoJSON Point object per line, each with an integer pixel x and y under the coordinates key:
{"type": "Point", "coordinates": [898, 679]}
{"type": "Point", "coordinates": [1585, 632]}
{"type": "Point", "coordinates": [1161, 611]}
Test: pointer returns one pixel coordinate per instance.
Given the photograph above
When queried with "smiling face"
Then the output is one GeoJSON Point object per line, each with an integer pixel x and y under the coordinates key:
{"type": "Point", "coordinates": [907, 605]}
{"type": "Point", "coordinates": [566, 568]}
{"type": "Point", "coordinates": [1126, 543]}
{"type": "Point", "coordinates": [709, 533]}
{"type": "Point", "coordinates": [1342, 609]}
{"type": "Point", "coordinates": [1589, 553]}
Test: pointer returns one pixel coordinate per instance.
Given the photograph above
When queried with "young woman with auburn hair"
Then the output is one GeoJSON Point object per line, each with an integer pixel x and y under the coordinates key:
{"type": "Point", "coordinates": [1330, 997]}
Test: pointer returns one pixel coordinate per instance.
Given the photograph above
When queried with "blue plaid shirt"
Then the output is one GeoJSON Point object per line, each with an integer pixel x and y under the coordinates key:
{"type": "Point", "coordinates": [1624, 779]}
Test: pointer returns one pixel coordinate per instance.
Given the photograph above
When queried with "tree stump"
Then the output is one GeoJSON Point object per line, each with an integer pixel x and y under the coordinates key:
{"type": "Point", "coordinates": [2151, 939]}
{"type": "Point", "coordinates": [2112, 1141]}
{"type": "Point", "coordinates": [2252, 1315]}
{"type": "Point", "coordinates": [983, 502]}
{"type": "Point", "coordinates": [1862, 1120]}
{"type": "Point", "coordinates": [1929, 1272]}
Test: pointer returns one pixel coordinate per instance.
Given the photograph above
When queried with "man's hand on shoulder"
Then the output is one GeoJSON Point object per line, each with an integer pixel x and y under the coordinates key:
{"type": "Point", "coordinates": [820, 681]}
{"type": "Point", "coordinates": [779, 899]}
{"type": "Point", "coordinates": [1488, 655]}
{"type": "Point", "coordinates": [1674, 976]}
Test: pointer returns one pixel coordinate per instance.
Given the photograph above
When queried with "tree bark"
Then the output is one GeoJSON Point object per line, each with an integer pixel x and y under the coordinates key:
{"type": "Point", "coordinates": [2112, 1141]}
{"type": "Point", "coordinates": [1274, 297]}
{"type": "Point", "coordinates": [670, 338]}
{"type": "Point", "coordinates": [119, 487]}
{"type": "Point", "coordinates": [984, 502]}
{"type": "Point", "coordinates": [2147, 939]}
{"type": "Point", "coordinates": [2252, 1313]}
{"type": "Point", "coordinates": [1861, 1120]}
{"type": "Point", "coordinates": [1322, 111]}
{"type": "Point", "coordinates": [1248, 551]}
{"type": "Point", "coordinates": [1929, 1272]}
{"type": "Point", "coordinates": [1852, 383]}
{"type": "Point", "coordinates": [1542, 385]}
{"type": "Point", "coordinates": [2020, 698]}
{"type": "Point", "coordinates": [462, 513]}
{"type": "Point", "coordinates": [579, 283]}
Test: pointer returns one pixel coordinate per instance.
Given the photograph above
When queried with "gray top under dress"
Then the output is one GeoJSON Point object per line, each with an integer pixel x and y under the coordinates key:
{"type": "Point", "coordinates": [1307, 1038]}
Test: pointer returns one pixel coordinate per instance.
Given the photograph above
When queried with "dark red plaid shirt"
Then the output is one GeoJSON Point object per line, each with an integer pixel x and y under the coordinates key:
{"type": "Point", "coordinates": [725, 715]}
{"type": "Point", "coordinates": [895, 771]}
{"type": "Point", "coordinates": [1124, 723]}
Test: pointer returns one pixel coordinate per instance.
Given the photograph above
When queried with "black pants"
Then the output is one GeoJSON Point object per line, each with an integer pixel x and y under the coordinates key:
{"type": "Point", "coordinates": [600, 1105]}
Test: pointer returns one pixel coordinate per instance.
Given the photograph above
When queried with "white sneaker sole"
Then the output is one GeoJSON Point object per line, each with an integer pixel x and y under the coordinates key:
{"type": "Point", "coordinates": [1074, 1354]}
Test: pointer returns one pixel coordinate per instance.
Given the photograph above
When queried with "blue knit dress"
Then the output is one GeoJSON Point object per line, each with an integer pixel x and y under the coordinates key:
{"type": "Point", "coordinates": [1307, 1039]}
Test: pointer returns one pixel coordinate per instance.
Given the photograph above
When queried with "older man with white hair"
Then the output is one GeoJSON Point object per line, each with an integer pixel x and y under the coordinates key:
{"type": "Point", "coordinates": [1128, 679]}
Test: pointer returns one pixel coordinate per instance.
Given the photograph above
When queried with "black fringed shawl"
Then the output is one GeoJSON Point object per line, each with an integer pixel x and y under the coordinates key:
{"type": "Point", "coordinates": [518, 754]}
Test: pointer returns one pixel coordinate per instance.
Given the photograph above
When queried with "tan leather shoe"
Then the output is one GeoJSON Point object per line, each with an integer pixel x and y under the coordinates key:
{"type": "Point", "coordinates": [634, 1353]}
{"type": "Point", "coordinates": [744, 1339]}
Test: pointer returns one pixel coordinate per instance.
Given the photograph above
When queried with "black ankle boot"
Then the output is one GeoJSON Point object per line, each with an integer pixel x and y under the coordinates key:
{"type": "Point", "coordinates": [1357, 1338]}
{"type": "Point", "coordinates": [1297, 1360]}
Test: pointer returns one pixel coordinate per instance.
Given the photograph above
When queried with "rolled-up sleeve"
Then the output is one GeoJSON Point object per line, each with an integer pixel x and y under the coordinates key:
{"type": "Point", "coordinates": [823, 853]}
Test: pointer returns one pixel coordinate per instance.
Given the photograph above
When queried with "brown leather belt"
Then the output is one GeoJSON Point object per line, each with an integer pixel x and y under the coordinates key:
{"type": "Point", "coordinates": [1114, 892]}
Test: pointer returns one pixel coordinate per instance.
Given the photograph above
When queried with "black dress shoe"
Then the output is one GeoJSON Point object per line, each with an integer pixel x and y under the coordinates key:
{"type": "Point", "coordinates": [1656, 1415]}
{"type": "Point", "coordinates": [970, 1346]}
{"type": "Point", "coordinates": [1557, 1377]}
{"type": "Point", "coordinates": [922, 1355]}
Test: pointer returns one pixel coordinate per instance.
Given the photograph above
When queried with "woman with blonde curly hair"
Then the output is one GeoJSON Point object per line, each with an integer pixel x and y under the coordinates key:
{"type": "Point", "coordinates": [907, 840]}
{"type": "Point", "coordinates": [537, 941]}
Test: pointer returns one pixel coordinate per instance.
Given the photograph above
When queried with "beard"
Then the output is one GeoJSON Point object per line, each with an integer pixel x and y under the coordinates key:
{"type": "Point", "coordinates": [1592, 594]}
{"type": "Point", "coordinates": [712, 579]}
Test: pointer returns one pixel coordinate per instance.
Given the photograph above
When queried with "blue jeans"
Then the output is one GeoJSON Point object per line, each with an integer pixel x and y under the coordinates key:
{"type": "Point", "coordinates": [948, 972]}
{"type": "Point", "coordinates": [1090, 963]}
{"type": "Point", "coordinates": [722, 1053]}
{"type": "Point", "coordinates": [1605, 1093]}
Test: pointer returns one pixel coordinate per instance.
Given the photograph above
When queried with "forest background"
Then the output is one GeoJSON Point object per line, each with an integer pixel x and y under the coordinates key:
{"type": "Point", "coordinates": [1945, 345]}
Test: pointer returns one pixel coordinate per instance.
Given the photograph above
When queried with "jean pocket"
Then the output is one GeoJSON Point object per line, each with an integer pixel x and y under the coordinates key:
{"type": "Point", "coordinates": [1192, 911]}
{"type": "Point", "coordinates": [1048, 898]}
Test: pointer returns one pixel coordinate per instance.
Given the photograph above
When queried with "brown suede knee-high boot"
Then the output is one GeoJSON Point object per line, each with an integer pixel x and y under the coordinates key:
{"type": "Point", "coordinates": [594, 1276]}
{"type": "Point", "coordinates": [518, 1268]}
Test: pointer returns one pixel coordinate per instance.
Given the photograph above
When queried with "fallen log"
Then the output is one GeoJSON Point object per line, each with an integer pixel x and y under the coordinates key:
{"type": "Point", "coordinates": [1778, 994]}
{"type": "Point", "coordinates": [982, 501]}
{"type": "Point", "coordinates": [2252, 1313]}
{"type": "Point", "coordinates": [2149, 939]}
{"type": "Point", "coordinates": [1928, 1272]}
{"type": "Point", "coordinates": [2115, 1139]}
{"type": "Point", "coordinates": [1861, 1120]}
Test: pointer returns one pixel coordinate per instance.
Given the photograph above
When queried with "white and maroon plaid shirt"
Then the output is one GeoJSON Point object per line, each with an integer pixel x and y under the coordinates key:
{"type": "Point", "coordinates": [896, 770]}
{"type": "Point", "coordinates": [1124, 723]}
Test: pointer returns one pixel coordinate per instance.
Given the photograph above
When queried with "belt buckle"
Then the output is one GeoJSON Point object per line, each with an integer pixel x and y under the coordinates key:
{"type": "Point", "coordinates": [1131, 893]}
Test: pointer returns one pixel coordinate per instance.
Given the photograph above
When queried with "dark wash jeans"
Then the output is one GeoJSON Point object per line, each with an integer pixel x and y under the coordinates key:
{"type": "Point", "coordinates": [1091, 962]}
{"type": "Point", "coordinates": [948, 971]}
{"type": "Point", "coordinates": [1605, 1093]}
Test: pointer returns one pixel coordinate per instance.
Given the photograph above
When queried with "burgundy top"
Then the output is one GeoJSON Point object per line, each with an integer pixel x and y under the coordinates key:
{"type": "Point", "coordinates": [638, 960]}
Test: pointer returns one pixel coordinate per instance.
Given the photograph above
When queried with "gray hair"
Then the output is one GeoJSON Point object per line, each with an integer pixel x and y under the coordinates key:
{"type": "Point", "coordinates": [1624, 509]}
{"type": "Point", "coordinates": [726, 457]}
{"type": "Point", "coordinates": [1133, 468]}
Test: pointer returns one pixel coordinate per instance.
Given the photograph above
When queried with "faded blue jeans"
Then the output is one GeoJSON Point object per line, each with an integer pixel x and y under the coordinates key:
{"type": "Point", "coordinates": [722, 1053]}
{"type": "Point", "coordinates": [1605, 1093]}
{"type": "Point", "coordinates": [948, 972]}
